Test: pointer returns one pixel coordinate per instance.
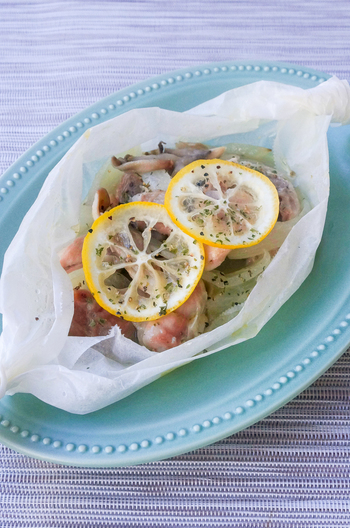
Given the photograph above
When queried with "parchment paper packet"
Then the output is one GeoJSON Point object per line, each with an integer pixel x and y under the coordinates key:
{"type": "Point", "coordinates": [84, 374]}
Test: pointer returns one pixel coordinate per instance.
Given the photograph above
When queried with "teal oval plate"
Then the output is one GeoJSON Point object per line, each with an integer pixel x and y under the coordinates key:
{"type": "Point", "coordinates": [226, 392]}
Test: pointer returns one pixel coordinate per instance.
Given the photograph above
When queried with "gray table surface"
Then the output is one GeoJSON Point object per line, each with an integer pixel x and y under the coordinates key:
{"type": "Point", "coordinates": [292, 469]}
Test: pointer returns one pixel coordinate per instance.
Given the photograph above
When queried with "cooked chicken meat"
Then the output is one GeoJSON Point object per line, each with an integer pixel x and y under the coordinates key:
{"type": "Point", "coordinates": [177, 327]}
{"type": "Point", "coordinates": [71, 257]}
{"type": "Point", "coordinates": [131, 184]}
{"type": "Point", "coordinates": [289, 201]}
{"type": "Point", "coordinates": [91, 320]}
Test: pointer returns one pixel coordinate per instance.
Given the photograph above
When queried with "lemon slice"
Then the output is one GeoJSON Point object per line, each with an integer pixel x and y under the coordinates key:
{"type": "Point", "coordinates": [222, 204]}
{"type": "Point", "coordinates": [138, 264]}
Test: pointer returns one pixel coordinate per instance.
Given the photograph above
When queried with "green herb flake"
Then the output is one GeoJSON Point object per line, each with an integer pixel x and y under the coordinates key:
{"type": "Point", "coordinates": [162, 310]}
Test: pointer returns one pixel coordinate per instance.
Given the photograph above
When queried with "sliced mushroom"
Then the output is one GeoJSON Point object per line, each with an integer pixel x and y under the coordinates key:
{"type": "Point", "coordinates": [147, 164]}
{"type": "Point", "coordinates": [216, 152]}
{"type": "Point", "coordinates": [115, 161]}
{"type": "Point", "coordinates": [101, 203]}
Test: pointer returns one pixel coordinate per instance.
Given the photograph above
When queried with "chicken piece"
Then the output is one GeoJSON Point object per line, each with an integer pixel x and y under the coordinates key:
{"type": "Point", "coordinates": [194, 303]}
{"type": "Point", "coordinates": [71, 257]}
{"type": "Point", "coordinates": [179, 326]}
{"type": "Point", "coordinates": [193, 310]}
{"type": "Point", "coordinates": [91, 320]}
{"type": "Point", "coordinates": [289, 201]}
{"type": "Point", "coordinates": [161, 334]}
{"type": "Point", "coordinates": [214, 256]}
{"type": "Point", "coordinates": [130, 185]}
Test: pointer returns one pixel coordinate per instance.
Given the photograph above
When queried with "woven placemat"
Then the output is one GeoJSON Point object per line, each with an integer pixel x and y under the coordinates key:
{"type": "Point", "coordinates": [291, 470]}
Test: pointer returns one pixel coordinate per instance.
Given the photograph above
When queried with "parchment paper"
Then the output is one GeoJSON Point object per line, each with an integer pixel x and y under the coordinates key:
{"type": "Point", "coordinates": [82, 375]}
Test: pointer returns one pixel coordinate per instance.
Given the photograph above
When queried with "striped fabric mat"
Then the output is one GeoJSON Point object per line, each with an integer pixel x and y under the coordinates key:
{"type": "Point", "coordinates": [291, 470]}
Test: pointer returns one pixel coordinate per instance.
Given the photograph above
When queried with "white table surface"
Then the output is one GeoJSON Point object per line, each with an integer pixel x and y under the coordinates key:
{"type": "Point", "coordinates": [291, 470]}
